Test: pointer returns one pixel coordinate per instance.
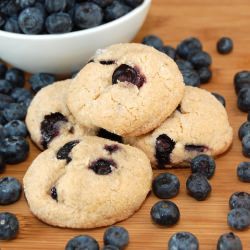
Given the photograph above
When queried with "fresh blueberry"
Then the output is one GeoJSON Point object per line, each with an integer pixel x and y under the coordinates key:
{"type": "Point", "coordinates": [9, 226]}
{"type": "Point", "coordinates": [41, 7]}
{"type": "Point", "coordinates": [229, 241]}
{"type": "Point", "coordinates": [115, 10]}
{"type": "Point", "coordinates": [25, 3]}
{"type": "Point", "coordinates": [20, 94]}
{"type": "Point", "coordinates": [243, 171]}
{"type": "Point", "coordinates": [133, 3]}
{"type": "Point", "coordinates": [5, 87]}
{"type": "Point", "coordinates": [82, 242]}
{"type": "Point", "coordinates": [170, 51]}
{"type": "Point", "coordinates": [220, 98]}
{"type": "Point", "coordinates": [244, 130]}
{"type": "Point", "coordinates": [246, 145]}
{"type": "Point", "coordinates": [239, 218]}
{"type": "Point", "coordinates": [110, 247]}
{"type": "Point", "coordinates": [2, 164]}
{"type": "Point", "coordinates": [153, 41]}
{"type": "Point", "coordinates": [205, 74]}
{"type": "Point", "coordinates": [63, 152]}
{"type": "Point", "coordinates": [241, 80]}
{"type": "Point", "coordinates": [70, 4]}
{"type": "Point", "coordinates": [240, 200]}
{"type": "Point", "coordinates": [2, 22]}
{"type": "Point", "coordinates": [15, 128]}
{"type": "Point", "coordinates": [203, 164]}
{"type": "Point", "coordinates": [2, 118]}
{"type": "Point", "coordinates": [200, 59]}
{"type": "Point", "coordinates": [14, 149]}
{"type": "Point", "coordinates": [3, 69]}
{"type": "Point", "coordinates": [244, 99]}
{"type": "Point", "coordinates": [11, 25]}
{"type": "Point", "coordinates": [2, 132]}
{"type": "Point", "coordinates": [108, 135]}
{"type": "Point", "coordinates": [103, 166]}
{"type": "Point", "coordinates": [103, 3]}
{"type": "Point", "coordinates": [15, 76]}
{"type": "Point", "coordinates": [58, 23]}
{"type": "Point", "coordinates": [165, 213]}
{"type": "Point", "coordinates": [188, 46]}
{"type": "Point", "coordinates": [5, 100]}
{"type": "Point", "coordinates": [225, 45]}
{"type": "Point", "coordinates": [41, 80]}
{"type": "Point", "coordinates": [10, 190]}
{"type": "Point", "coordinates": [191, 77]}
{"type": "Point", "coordinates": [55, 5]}
{"type": "Point", "coordinates": [31, 20]}
{"type": "Point", "coordinates": [87, 15]}
{"type": "Point", "coordinates": [166, 186]}
{"type": "Point", "coordinates": [198, 186]}
{"type": "Point", "coordinates": [14, 111]}
{"type": "Point", "coordinates": [53, 193]}
{"type": "Point", "coordinates": [183, 241]}
{"type": "Point", "coordinates": [183, 64]}
{"type": "Point", "coordinates": [116, 236]}
{"type": "Point", "coordinates": [9, 8]}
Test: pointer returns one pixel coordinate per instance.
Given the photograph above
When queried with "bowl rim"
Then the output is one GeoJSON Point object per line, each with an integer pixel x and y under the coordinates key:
{"type": "Point", "coordinates": [134, 12]}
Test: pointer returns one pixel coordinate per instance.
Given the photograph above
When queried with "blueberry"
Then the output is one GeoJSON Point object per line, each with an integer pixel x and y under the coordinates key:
{"type": "Point", "coordinates": [220, 98]}
{"type": "Point", "coordinates": [240, 200]}
{"type": "Point", "coordinates": [41, 80]}
{"type": "Point", "coordinates": [165, 213]}
{"type": "Point", "coordinates": [3, 69]}
{"type": "Point", "coordinates": [58, 23]}
{"type": "Point", "coordinates": [9, 8]}
{"type": "Point", "coordinates": [205, 74]}
{"type": "Point", "coordinates": [115, 10]}
{"type": "Point", "coordinates": [41, 7]}
{"type": "Point", "coordinates": [183, 241]}
{"type": "Point", "coordinates": [203, 164]}
{"type": "Point", "coordinates": [198, 186]}
{"type": "Point", "coordinates": [133, 3]}
{"type": "Point", "coordinates": [188, 46]}
{"type": "Point", "coordinates": [166, 186]}
{"type": "Point", "coordinates": [5, 100]}
{"type": "Point", "coordinates": [244, 130]}
{"type": "Point", "coordinates": [243, 171]}
{"type": "Point", "coordinates": [225, 45]}
{"type": "Point", "coordinates": [87, 15]}
{"type": "Point", "coordinates": [14, 149]}
{"type": "Point", "coordinates": [241, 80]}
{"type": "Point", "coordinates": [200, 59]}
{"type": "Point", "coordinates": [5, 87]}
{"type": "Point", "coordinates": [63, 152]}
{"type": "Point", "coordinates": [170, 51]}
{"type": "Point", "coordinates": [239, 218]}
{"type": "Point", "coordinates": [14, 111]}
{"type": "Point", "coordinates": [183, 64]}
{"type": "Point", "coordinates": [15, 76]}
{"type": "Point", "coordinates": [196, 148]}
{"type": "Point", "coordinates": [116, 236]}
{"type": "Point", "coordinates": [103, 3]}
{"type": "Point", "coordinates": [55, 5]}
{"type": "Point", "coordinates": [9, 226]}
{"type": "Point", "coordinates": [21, 95]}
{"type": "Point", "coordinates": [2, 118]}
{"type": "Point", "coordinates": [10, 190]}
{"type": "Point", "coordinates": [246, 145]}
{"type": "Point", "coordinates": [2, 164]}
{"type": "Point", "coordinates": [110, 247]}
{"type": "Point", "coordinates": [102, 166]}
{"type": "Point", "coordinates": [191, 77]}
{"type": "Point", "coordinates": [25, 3]}
{"type": "Point", "coordinates": [53, 193]}
{"type": "Point", "coordinates": [31, 20]}
{"type": "Point", "coordinates": [244, 99]}
{"type": "Point", "coordinates": [82, 242]}
{"type": "Point", "coordinates": [11, 25]}
{"type": "Point", "coordinates": [229, 241]}
{"type": "Point", "coordinates": [153, 41]}
{"type": "Point", "coordinates": [15, 128]}
{"type": "Point", "coordinates": [108, 135]}
{"type": "Point", "coordinates": [2, 22]}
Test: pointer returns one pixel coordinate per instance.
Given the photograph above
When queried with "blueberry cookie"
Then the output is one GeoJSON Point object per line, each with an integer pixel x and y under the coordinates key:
{"type": "Point", "coordinates": [87, 183]}
{"type": "Point", "coordinates": [127, 89]}
{"type": "Point", "coordinates": [198, 126]}
{"type": "Point", "coordinates": [48, 116]}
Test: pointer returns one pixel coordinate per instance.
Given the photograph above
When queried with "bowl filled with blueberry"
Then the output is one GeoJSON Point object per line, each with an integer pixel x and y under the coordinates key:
{"type": "Point", "coordinates": [60, 36]}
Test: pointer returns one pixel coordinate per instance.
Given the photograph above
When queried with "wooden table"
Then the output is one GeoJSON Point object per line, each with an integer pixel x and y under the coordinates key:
{"type": "Point", "coordinates": [172, 20]}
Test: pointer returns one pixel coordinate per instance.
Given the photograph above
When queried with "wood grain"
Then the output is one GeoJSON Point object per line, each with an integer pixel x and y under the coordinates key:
{"type": "Point", "coordinates": [172, 20]}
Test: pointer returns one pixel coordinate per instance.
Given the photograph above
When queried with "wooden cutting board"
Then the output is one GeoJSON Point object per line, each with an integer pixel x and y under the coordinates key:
{"type": "Point", "coordinates": [172, 20]}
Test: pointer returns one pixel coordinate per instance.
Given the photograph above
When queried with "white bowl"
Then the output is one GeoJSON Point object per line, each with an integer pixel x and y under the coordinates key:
{"type": "Point", "coordinates": [65, 53]}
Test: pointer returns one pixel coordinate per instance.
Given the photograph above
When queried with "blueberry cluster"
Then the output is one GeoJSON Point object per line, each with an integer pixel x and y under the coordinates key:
{"type": "Point", "coordinates": [244, 135]}
{"type": "Point", "coordinates": [60, 16]}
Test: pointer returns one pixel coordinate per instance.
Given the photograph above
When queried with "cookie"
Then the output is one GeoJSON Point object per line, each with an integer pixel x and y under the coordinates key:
{"type": "Point", "coordinates": [48, 116]}
{"type": "Point", "coordinates": [88, 182]}
{"type": "Point", "coordinates": [127, 89]}
{"type": "Point", "coordinates": [198, 126]}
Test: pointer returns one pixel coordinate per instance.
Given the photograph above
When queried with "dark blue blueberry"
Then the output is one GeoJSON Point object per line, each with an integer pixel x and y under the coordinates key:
{"type": "Point", "coordinates": [166, 186]}
{"type": "Point", "coordinates": [244, 99]}
{"type": "Point", "coordinates": [111, 148]}
{"type": "Point", "coordinates": [126, 73]}
{"type": "Point", "coordinates": [2, 22]}
{"type": "Point", "coordinates": [2, 118]}
{"type": "Point", "coordinates": [87, 15]}
{"type": "Point", "coordinates": [116, 236]}
{"type": "Point", "coordinates": [246, 145]}
{"type": "Point", "coordinates": [63, 152]}
{"type": "Point", "coordinates": [198, 186]}
{"type": "Point", "coordinates": [108, 135]}
{"type": "Point", "coordinates": [165, 213]}
{"type": "Point", "coordinates": [103, 166]}
{"type": "Point", "coordinates": [9, 8]}
{"type": "Point", "coordinates": [229, 241]}
{"type": "Point", "coordinates": [115, 10]}
{"type": "Point", "coordinates": [14, 149]}
{"type": "Point", "coordinates": [11, 25]}
{"type": "Point", "coordinates": [153, 41]}
{"type": "Point", "coordinates": [70, 4]}
{"type": "Point", "coordinates": [225, 45]}
{"type": "Point", "coordinates": [5, 87]}
{"type": "Point", "coordinates": [15, 128]}
{"type": "Point", "coordinates": [239, 218]}
{"type": "Point", "coordinates": [191, 77]}
{"type": "Point", "coordinates": [183, 241]}
{"type": "Point", "coordinates": [244, 130]}
{"type": "Point", "coordinates": [240, 200]}
{"type": "Point", "coordinates": [55, 5]}
{"type": "Point", "coordinates": [183, 64]}
{"type": "Point", "coordinates": [243, 171]}
{"type": "Point", "coordinates": [200, 59]}
{"type": "Point", "coordinates": [2, 132]}
{"type": "Point", "coordinates": [110, 247]}
{"type": "Point", "coordinates": [241, 80]}
{"type": "Point", "coordinates": [15, 76]}
{"type": "Point", "coordinates": [103, 3]}
{"type": "Point", "coordinates": [205, 74]}
{"type": "Point", "coordinates": [10, 190]}
{"type": "Point", "coordinates": [82, 242]}
{"type": "Point", "coordinates": [170, 51]}
{"type": "Point", "coordinates": [14, 111]}
{"type": "Point", "coordinates": [41, 80]}
{"type": "Point", "coordinates": [5, 100]}
{"type": "Point", "coordinates": [203, 164]}
{"type": "Point", "coordinates": [220, 98]}
{"type": "Point", "coordinates": [2, 164]}
{"type": "Point", "coordinates": [133, 3]}
{"type": "Point", "coordinates": [41, 7]}
{"type": "Point", "coordinates": [21, 95]}
{"type": "Point", "coordinates": [25, 3]}
{"type": "Point", "coordinates": [58, 23]}
{"type": "Point", "coordinates": [188, 46]}
{"type": "Point", "coordinates": [3, 69]}
{"type": "Point", "coordinates": [9, 226]}
{"type": "Point", "coordinates": [53, 193]}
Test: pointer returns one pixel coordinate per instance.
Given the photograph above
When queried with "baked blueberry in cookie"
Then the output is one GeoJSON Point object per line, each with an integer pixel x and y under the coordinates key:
{"type": "Point", "coordinates": [197, 148]}
{"type": "Point", "coordinates": [53, 193]}
{"type": "Point", "coordinates": [103, 166]}
{"type": "Point", "coordinates": [111, 148]}
{"type": "Point", "coordinates": [63, 152]}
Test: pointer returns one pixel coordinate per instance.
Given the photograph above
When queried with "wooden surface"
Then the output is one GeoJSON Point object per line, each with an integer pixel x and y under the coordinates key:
{"type": "Point", "coordinates": [172, 20]}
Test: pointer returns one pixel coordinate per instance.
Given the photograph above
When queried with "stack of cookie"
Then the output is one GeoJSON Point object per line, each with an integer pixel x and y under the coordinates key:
{"type": "Point", "coordinates": [136, 93]}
